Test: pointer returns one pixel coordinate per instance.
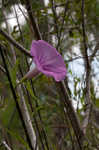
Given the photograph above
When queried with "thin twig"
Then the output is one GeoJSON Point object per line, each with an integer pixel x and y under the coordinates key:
{"type": "Point", "coordinates": [35, 120]}
{"type": "Point", "coordinates": [65, 10]}
{"type": "Point", "coordinates": [26, 117]}
{"type": "Point", "coordinates": [23, 13]}
{"type": "Point", "coordinates": [22, 104]}
{"type": "Point", "coordinates": [72, 115]}
{"type": "Point", "coordinates": [2, 69]}
{"type": "Point", "coordinates": [38, 37]}
{"type": "Point", "coordinates": [55, 17]}
{"type": "Point", "coordinates": [62, 25]}
{"type": "Point", "coordinates": [15, 98]}
{"type": "Point", "coordinates": [32, 109]}
{"type": "Point", "coordinates": [18, 24]}
{"type": "Point", "coordinates": [67, 124]}
{"type": "Point", "coordinates": [32, 20]}
{"type": "Point", "coordinates": [8, 18]}
{"type": "Point", "coordinates": [6, 145]}
{"type": "Point", "coordinates": [8, 31]}
{"type": "Point", "coordinates": [16, 44]}
{"type": "Point", "coordinates": [37, 105]}
{"type": "Point", "coordinates": [95, 51]}
{"type": "Point", "coordinates": [78, 57]}
{"type": "Point", "coordinates": [88, 71]}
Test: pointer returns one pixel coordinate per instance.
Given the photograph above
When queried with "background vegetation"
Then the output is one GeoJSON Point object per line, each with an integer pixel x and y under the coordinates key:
{"type": "Point", "coordinates": [42, 114]}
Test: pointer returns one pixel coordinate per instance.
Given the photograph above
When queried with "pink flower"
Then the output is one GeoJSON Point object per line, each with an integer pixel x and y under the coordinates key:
{"type": "Point", "coordinates": [47, 60]}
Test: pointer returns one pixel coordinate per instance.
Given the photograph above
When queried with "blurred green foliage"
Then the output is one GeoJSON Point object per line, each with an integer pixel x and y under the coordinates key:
{"type": "Point", "coordinates": [43, 93]}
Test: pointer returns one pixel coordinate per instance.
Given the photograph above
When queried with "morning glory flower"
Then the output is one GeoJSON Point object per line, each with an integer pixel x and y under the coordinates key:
{"type": "Point", "coordinates": [47, 60]}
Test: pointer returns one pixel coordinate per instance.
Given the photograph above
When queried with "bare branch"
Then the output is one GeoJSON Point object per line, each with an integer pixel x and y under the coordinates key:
{"type": "Point", "coordinates": [71, 113]}
{"type": "Point", "coordinates": [26, 117]}
{"type": "Point", "coordinates": [2, 69]}
{"type": "Point", "coordinates": [55, 17]}
{"type": "Point", "coordinates": [16, 99]}
{"type": "Point", "coordinates": [22, 105]}
{"type": "Point", "coordinates": [88, 76]}
{"type": "Point", "coordinates": [78, 57]}
{"type": "Point", "coordinates": [32, 20]}
{"type": "Point", "coordinates": [8, 31]}
{"type": "Point", "coordinates": [22, 39]}
{"type": "Point", "coordinates": [65, 10]}
{"type": "Point", "coordinates": [84, 35]}
{"type": "Point", "coordinates": [23, 13]}
{"type": "Point", "coordinates": [62, 25]}
{"type": "Point", "coordinates": [95, 51]}
{"type": "Point", "coordinates": [6, 145]}
{"type": "Point", "coordinates": [67, 102]}
{"type": "Point", "coordinates": [16, 44]}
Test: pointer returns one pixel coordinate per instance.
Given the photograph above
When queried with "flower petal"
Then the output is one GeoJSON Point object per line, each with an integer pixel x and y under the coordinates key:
{"type": "Point", "coordinates": [48, 60]}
